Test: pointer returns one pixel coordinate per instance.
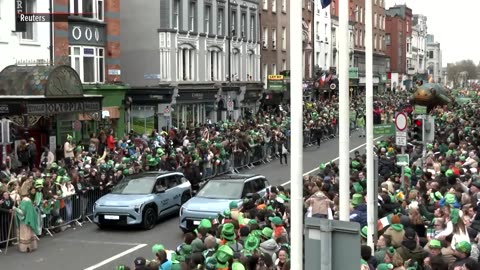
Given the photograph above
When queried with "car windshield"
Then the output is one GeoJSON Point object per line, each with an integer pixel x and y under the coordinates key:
{"type": "Point", "coordinates": [221, 190]}
{"type": "Point", "coordinates": [142, 185]}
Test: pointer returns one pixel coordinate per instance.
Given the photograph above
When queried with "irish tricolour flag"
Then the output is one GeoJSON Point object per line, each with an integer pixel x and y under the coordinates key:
{"type": "Point", "coordinates": [384, 222]}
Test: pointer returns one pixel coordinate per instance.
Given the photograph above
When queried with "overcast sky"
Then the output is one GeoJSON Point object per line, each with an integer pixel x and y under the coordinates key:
{"type": "Point", "coordinates": [455, 24]}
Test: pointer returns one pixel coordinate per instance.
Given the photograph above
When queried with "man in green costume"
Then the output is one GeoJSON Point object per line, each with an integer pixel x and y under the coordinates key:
{"type": "Point", "coordinates": [27, 219]}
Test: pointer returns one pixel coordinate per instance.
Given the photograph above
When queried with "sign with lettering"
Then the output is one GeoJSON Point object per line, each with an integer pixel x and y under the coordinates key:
{"type": "Point", "coordinates": [84, 33]}
{"type": "Point", "coordinates": [20, 7]}
{"type": "Point", "coordinates": [275, 77]}
{"type": "Point", "coordinates": [64, 107]}
{"type": "Point", "coordinates": [353, 73]}
{"type": "Point", "coordinates": [195, 96]}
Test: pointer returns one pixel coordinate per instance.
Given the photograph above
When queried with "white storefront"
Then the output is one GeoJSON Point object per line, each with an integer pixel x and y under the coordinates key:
{"type": "Point", "coordinates": [323, 36]}
{"type": "Point", "coordinates": [28, 47]}
{"type": "Point", "coordinates": [419, 43]}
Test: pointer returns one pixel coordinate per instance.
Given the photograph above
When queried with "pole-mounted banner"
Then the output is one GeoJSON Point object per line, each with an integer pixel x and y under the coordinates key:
{"type": "Point", "coordinates": [20, 8]}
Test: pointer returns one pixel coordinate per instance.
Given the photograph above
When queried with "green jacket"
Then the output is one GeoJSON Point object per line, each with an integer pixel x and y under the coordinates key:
{"type": "Point", "coordinates": [26, 214]}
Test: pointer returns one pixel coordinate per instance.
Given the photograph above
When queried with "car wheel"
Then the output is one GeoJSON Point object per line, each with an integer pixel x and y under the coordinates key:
{"type": "Point", "coordinates": [185, 198]}
{"type": "Point", "coordinates": [149, 218]}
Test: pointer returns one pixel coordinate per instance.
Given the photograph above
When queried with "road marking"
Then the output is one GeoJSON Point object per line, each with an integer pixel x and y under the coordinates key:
{"type": "Point", "coordinates": [119, 255]}
{"type": "Point", "coordinates": [97, 242]}
{"type": "Point", "coordinates": [333, 160]}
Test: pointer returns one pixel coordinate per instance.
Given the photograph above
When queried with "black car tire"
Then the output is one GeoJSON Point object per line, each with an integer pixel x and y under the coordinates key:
{"type": "Point", "coordinates": [149, 218]}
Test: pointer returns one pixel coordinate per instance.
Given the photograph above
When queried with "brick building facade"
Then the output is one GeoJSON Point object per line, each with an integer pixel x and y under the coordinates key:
{"type": "Point", "coordinates": [398, 41]}
{"type": "Point", "coordinates": [90, 40]}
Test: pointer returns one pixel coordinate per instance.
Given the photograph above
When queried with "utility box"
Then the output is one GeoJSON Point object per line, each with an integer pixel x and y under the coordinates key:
{"type": "Point", "coordinates": [331, 244]}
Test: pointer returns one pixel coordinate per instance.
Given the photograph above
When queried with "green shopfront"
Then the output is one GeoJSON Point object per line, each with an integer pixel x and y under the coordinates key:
{"type": "Point", "coordinates": [113, 109]}
{"type": "Point", "coordinates": [44, 103]}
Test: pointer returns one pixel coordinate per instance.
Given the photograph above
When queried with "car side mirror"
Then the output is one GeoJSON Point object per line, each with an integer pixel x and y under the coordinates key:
{"type": "Point", "coordinates": [249, 195]}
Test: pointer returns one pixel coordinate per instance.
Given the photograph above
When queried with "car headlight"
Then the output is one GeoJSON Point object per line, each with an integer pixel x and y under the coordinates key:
{"type": "Point", "coordinates": [181, 210]}
{"type": "Point", "coordinates": [137, 207]}
{"type": "Point", "coordinates": [94, 207]}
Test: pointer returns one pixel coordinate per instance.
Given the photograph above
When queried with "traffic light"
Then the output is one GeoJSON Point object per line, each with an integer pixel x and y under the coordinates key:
{"type": "Point", "coordinates": [417, 131]}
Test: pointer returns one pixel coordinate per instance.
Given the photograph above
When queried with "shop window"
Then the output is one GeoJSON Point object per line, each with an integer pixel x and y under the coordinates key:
{"type": "Point", "coordinates": [89, 62]}
{"type": "Point", "coordinates": [143, 119]}
{"type": "Point", "coordinates": [186, 58]}
{"type": "Point", "coordinates": [220, 27]}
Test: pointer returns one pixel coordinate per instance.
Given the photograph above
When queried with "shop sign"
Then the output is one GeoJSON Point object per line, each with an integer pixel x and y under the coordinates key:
{"type": "Point", "coordinates": [275, 83]}
{"type": "Point", "coordinates": [186, 96]}
{"type": "Point", "coordinates": [10, 109]}
{"type": "Point", "coordinates": [4, 109]}
{"type": "Point", "coordinates": [275, 77]}
{"type": "Point", "coordinates": [63, 107]}
{"type": "Point", "coordinates": [383, 78]}
{"type": "Point", "coordinates": [353, 73]}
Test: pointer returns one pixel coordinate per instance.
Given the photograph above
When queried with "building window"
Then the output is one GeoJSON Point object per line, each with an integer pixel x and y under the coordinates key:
{"type": "Point", "coordinates": [214, 64]}
{"type": "Point", "coordinates": [236, 64]}
{"type": "Point", "coordinates": [284, 64]}
{"type": "Point", "coordinates": [265, 4]}
{"type": "Point", "coordinates": [89, 62]}
{"type": "Point", "coordinates": [387, 40]}
{"type": "Point", "coordinates": [274, 38]}
{"type": "Point", "coordinates": [361, 15]}
{"type": "Point", "coordinates": [29, 34]}
{"type": "Point", "coordinates": [252, 27]}
{"type": "Point", "coordinates": [284, 6]}
{"type": "Point", "coordinates": [234, 23]}
{"type": "Point", "coordinates": [430, 54]}
{"type": "Point", "coordinates": [284, 38]}
{"type": "Point", "coordinates": [265, 74]}
{"type": "Point", "coordinates": [274, 69]}
{"type": "Point", "coordinates": [375, 41]}
{"type": "Point", "coordinates": [274, 6]}
{"type": "Point", "coordinates": [220, 15]}
{"type": "Point", "coordinates": [208, 15]}
{"type": "Point", "coordinates": [94, 9]}
{"type": "Point", "coordinates": [309, 5]}
{"type": "Point", "coordinates": [375, 20]}
{"type": "Point", "coordinates": [191, 14]}
{"type": "Point", "coordinates": [186, 63]}
{"type": "Point", "coordinates": [408, 26]}
{"type": "Point", "coordinates": [388, 63]}
{"type": "Point", "coordinates": [243, 25]}
{"type": "Point", "coordinates": [250, 65]}
{"type": "Point", "coordinates": [265, 37]}
{"type": "Point", "coordinates": [357, 14]}
{"type": "Point", "coordinates": [176, 14]}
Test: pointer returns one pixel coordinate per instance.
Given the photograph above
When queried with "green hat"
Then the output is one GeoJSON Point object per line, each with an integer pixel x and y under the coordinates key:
{"type": "Point", "coordinates": [227, 213]}
{"type": "Point", "coordinates": [39, 183]}
{"type": "Point", "coordinates": [157, 248]}
{"type": "Point", "coordinates": [385, 266]}
{"type": "Point", "coordinates": [197, 245]}
{"type": "Point", "coordinates": [125, 160]}
{"type": "Point", "coordinates": [126, 172]}
{"type": "Point", "coordinates": [267, 233]}
{"type": "Point", "coordinates": [357, 199]}
{"type": "Point", "coordinates": [69, 137]}
{"type": "Point", "coordinates": [237, 266]}
{"type": "Point", "coordinates": [364, 232]}
{"type": "Point", "coordinates": [454, 215]}
{"type": "Point", "coordinates": [223, 255]}
{"type": "Point", "coordinates": [66, 179]}
{"type": "Point", "coordinates": [463, 247]}
{"type": "Point", "coordinates": [407, 170]}
{"type": "Point", "coordinates": [186, 250]}
{"type": "Point", "coordinates": [448, 173]}
{"type": "Point", "coordinates": [228, 232]}
{"type": "Point", "coordinates": [205, 224]}
{"type": "Point", "coordinates": [61, 172]}
{"type": "Point", "coordinates": [355, 164]}
{"type": "Point", "coordinates": [233, 205]}
{"type": "Point", "coordinates": [276, 220]}
{"type": "Point", "coordinates": [284, 197]}
{"type": "Point", "coordinates": [251, 243]}
{"type": "Point", "coordinates": [211, 263]}
{"type": "Point", "coordinates": [434, 243]}
{"type": "Point", "coordinates": [54, 165]}
{"type": "Point", "coordinates": [418, 172]}
{"type": "Point", "coordinates": [252, 222]}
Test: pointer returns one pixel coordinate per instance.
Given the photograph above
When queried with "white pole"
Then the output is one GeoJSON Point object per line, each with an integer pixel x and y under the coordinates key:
{"type": "Point", "coordinates": [369, 113]}
{"type": "Point", "coordinates": [344, 111]}
{"type": "Point", "coordinates": [296, 127]}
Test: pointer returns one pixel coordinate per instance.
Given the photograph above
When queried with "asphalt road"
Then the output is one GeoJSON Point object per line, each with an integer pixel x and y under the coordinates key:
{"type": "Point", "coordinates": [88, 248]}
